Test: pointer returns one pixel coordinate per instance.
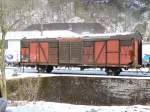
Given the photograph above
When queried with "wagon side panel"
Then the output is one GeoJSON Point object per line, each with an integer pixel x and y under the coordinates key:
{"type": "Point", "coordinates": [24, 54]}
{"type": "Point", "coordinates": [24, 51]}
{"type": "Point", "coordinates": [34, 52]}
{"type": "Point", "coordinates": [53, 52]}
{"type": "Point", "coordinates": [88, 52]}
{"type": "Point", "coordinates": [64, 52]}
{"type": "Point", "coordinates": [100, 53]}
{"type": "Point", "coordinates": [125, 57]}
{"type": "Point", "coordinates": [113, 52]}
{"type": "Point", "coordinates": [70, 51]}
{"type": "Point", "coordinates": [75, 52]}
{"type": "Point", "coordinates": [43, 52]}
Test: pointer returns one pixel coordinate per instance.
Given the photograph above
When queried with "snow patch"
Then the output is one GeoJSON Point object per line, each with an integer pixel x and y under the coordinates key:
{"type": "Point", "coordinates": [42, 106]}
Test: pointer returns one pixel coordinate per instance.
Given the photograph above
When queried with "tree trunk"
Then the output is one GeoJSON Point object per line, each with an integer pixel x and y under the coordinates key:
{"type": "Point", "coordinates": [3, 77]}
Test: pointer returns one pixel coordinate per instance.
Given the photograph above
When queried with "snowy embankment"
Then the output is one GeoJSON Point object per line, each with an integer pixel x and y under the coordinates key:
{"type": "Point", "coordinates": [62, 107]}
{"type": "Point", "coordinates": [41, 106]}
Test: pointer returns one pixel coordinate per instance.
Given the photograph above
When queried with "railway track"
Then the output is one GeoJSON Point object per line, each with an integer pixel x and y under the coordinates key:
{"type": "Point", "coordinates": [76, 71]}
{"type": "Point", "coordinates": [102, 73]}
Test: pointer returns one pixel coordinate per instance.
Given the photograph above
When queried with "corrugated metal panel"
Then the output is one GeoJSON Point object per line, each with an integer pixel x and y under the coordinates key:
{"type": "Point", "coordinates": [75, 52]}
{"type": "Point", "coordinates": [53, 44]}
{"type": "Point", "coordinates": [53, 59]}
{"type": "Point", "coordinates": [53, 53]}
{"type": "Point", "coordinates": [70, 51]}
{"type": "Point", "coordinates": [64, 52]}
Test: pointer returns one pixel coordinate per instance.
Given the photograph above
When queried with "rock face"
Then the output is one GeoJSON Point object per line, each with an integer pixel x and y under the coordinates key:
{"type": "Point", "coordinates": [82, 90]}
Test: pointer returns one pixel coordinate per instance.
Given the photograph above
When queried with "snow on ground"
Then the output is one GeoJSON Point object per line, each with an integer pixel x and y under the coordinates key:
{"type": "Point", "coordinates": [15, 72]}
{"type": "Point", "coordinates": [42, 106]}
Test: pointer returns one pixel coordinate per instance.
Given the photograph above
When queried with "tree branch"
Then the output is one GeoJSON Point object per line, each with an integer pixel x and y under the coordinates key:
{"type": "Point", "coordinates": [19, 20]}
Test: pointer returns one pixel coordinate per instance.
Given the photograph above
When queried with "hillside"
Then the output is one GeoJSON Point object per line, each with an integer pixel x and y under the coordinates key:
{"type": "Point", "coordinates": [114, 15]}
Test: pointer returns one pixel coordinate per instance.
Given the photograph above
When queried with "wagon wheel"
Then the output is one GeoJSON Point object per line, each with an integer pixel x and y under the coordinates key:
{"type": "Point", "coordinates": [40, 69]}
{"type": "Point", "coordinates": [113, 71]}
{"type": "Point", "coordinates": [108, 71]}
{"type": "Point", "coordinates": [116, 71]}
{"type": "Point", "coordinates": [49, 69]}
{"type": "Point", "coordinates": [82, 68]}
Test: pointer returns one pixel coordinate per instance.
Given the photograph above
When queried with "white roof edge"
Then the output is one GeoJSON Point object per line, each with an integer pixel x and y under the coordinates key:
{"type": "Point", "coordinates": [108, 34]}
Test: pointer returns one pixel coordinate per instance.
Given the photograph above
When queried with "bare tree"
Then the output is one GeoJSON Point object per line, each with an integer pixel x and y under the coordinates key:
{"type": "Point", "coordinates": [12, 13]}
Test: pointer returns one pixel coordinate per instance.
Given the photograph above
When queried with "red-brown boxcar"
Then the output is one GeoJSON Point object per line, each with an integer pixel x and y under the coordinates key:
{"type": "Point", "coordinates": [110, 51]}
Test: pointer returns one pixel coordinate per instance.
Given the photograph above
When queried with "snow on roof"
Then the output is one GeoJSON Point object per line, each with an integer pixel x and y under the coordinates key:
{"type": "Point", "coordinates": [107, 34]}
{"type": "Point", "coordinates": [60, 33]}
{"type": "Point", "coordinates": [18, 35]}
{"type": "Point", "coordinates": [22, 34]}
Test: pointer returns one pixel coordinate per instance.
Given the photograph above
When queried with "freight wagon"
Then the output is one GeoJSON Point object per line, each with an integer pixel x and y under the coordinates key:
{"type": "Point", "coordinates": [110, 51]}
